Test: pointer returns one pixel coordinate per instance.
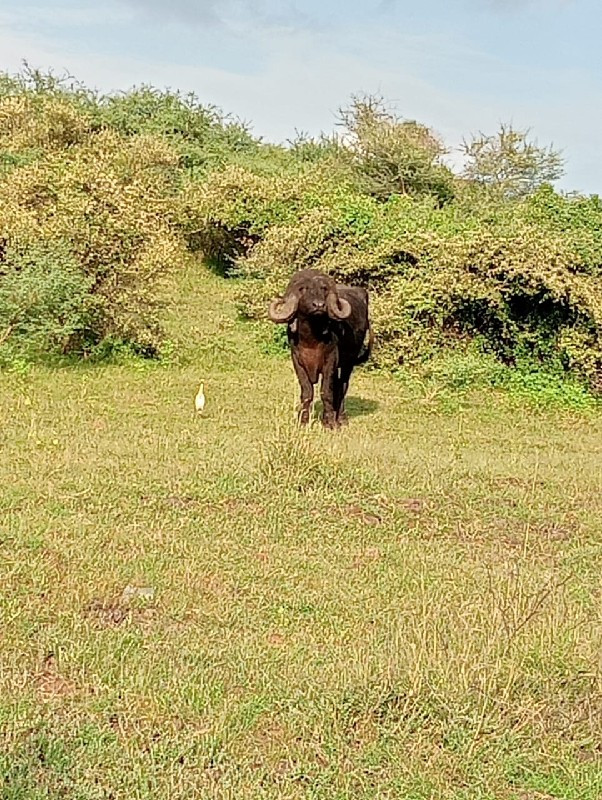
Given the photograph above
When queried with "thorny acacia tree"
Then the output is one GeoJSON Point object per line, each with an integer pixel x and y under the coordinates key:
{"type": "Point", "coordinates": [509, 162]}
{"type": "Point", "coordinates": [392, 155]}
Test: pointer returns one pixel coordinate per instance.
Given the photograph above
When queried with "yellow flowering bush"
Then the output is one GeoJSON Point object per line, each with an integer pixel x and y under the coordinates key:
{"type": "Point", "coordinates": [106, 200]}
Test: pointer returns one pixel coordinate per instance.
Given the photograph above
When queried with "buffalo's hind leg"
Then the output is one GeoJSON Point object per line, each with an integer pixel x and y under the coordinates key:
{"type": "Point", "coordinates": [329, 394]}
{"type": "Point", "coordinates": [307, 392]}
{"type": "Point", "coordinates": [342, 387]}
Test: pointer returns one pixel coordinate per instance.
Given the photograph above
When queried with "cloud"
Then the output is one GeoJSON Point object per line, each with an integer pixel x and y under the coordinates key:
{"type": "Point", "coordinates": [526, 3]}
{"type": "Point", "coordinates": [518, 6]}
{"type": "Point", "coordinates": [289, 81]}
{"type": "Point", "coordinates": [254, 13]}
{"type": "Point", "coordinates": [494, 5]}
{"type": "Point", "coordinates": [237, 15]}
{"type": "Point", "coordinates": [63, 16]}
{"type": "Point", "coordinates": [192, 11]}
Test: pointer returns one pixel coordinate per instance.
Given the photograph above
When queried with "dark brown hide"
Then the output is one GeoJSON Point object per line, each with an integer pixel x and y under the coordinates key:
{"type": "Point", "coordinates": [327, 325]}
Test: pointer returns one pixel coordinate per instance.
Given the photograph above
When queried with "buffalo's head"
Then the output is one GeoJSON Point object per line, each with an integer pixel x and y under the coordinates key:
{"type": "Point", "coordinates": [309, 293]}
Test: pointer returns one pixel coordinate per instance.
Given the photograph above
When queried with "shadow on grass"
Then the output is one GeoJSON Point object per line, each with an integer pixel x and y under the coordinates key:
{"type": "Point", "coordinates": [354, 406]}
{"type": "Point", "coordinates": [360, 406]}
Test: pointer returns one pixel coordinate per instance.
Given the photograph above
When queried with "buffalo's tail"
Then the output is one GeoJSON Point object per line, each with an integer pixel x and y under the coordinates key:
{"type": "Point", "coordinates": [366, 350]}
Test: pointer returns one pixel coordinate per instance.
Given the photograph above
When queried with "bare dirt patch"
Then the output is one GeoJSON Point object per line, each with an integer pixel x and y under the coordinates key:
{"type": "Point", "coordinates": [50, 683]}
{"type": "Point", "coordinates": [240, 505]}
{"type": "Point", "coordinates": [368, 556]}
{"type": "Point", "coordinates": [413, 504]}
{"type": "Point", "coordinates": [105, 614]}
{"type": "Point", "coordinates": [356, 512]}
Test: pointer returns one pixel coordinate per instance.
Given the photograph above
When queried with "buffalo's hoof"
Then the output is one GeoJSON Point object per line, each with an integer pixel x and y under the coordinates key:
{"type": "Point", "coordinates": [330, 423]}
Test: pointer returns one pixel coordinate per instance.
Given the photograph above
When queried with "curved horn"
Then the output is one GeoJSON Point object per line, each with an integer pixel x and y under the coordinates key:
{"type": "Point", "coordinates": [338, 308]}
{"type": "Point", "coordinates": [283, 309]}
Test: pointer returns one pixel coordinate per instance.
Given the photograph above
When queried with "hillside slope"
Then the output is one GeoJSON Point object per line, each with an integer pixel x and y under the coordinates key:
{"type": "Point", "coordinates": [407, 608]}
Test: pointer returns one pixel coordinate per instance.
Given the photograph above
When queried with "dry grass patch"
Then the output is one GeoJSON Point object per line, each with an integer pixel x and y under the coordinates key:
{"type": "Point", "coordinates": [410, 608]}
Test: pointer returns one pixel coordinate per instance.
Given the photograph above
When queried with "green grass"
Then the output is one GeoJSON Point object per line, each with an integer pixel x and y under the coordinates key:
{"type": "Point", "coordinates": [410, 608]}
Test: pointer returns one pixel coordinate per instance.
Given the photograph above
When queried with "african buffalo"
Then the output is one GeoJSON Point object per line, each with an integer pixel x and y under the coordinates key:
{"type": "Point", "coordinates": [327, 324]}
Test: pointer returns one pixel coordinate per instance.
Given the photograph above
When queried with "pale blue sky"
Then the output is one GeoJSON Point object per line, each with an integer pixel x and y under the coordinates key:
{"type": "Point", "coordinates": [459, 66]}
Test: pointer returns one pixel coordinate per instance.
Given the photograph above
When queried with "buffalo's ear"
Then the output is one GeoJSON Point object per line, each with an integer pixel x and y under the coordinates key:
{"type": "Point", "coordinates": [338, 307]}
{"type": "Point", "coordinates": [283, 309]}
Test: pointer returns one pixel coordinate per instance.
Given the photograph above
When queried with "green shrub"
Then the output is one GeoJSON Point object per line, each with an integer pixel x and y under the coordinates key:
{"type": "Point", "coordinates": [509, 163]}
{"type": "Point", "coordinates": [227, 215]}
{"type": "Point", "coordinates": [394, 156]}
{"type": "Point", "coordinates": [110, 200]}
{"type": "Point", "coordinates": [203, 137]}
{"type": "Point", "coordinates": [514, 275]}
{"type": "Point", "coordinates": [45, 303]}
{"type": "Point", "coordinates": [103, 195]}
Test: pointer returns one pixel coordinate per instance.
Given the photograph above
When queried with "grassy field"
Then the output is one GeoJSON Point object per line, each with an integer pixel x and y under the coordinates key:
{"type": "Point", "coordinates": [411, 608]}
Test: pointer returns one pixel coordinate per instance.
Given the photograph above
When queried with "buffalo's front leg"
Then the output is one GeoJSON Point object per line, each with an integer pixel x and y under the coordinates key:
{"type": "Point", "coordinates": [329, 378]}
{"type": "Point", "coordinates": [307, 391]}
